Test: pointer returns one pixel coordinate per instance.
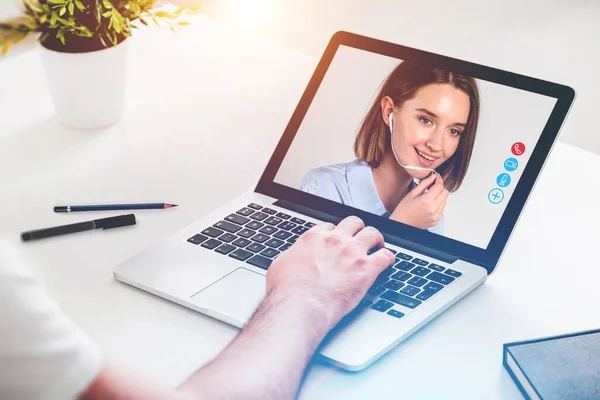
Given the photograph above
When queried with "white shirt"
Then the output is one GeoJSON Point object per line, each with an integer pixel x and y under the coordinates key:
{"type": "Point", "coordinates": [43, 355]}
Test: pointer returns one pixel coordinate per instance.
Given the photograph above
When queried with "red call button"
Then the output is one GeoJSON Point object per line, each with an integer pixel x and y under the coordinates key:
{"type": "Point", "coordinates": [518, 148]}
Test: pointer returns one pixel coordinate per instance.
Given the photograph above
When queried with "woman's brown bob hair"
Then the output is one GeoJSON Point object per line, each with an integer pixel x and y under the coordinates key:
{"type": "Point", "coordinates": [373, 138]}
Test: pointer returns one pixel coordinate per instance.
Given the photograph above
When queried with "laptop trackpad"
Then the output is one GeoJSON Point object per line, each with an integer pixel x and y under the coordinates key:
{"type": "Point", "coordinates": [236, 295]}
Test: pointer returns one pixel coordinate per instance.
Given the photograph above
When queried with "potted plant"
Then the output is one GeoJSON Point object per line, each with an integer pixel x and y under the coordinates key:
{"type": "Point", "coordinates": [84, 50]}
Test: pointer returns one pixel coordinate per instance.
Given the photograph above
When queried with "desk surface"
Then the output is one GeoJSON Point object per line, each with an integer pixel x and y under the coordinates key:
{"type": "Point", "coordinates": [181, 143]}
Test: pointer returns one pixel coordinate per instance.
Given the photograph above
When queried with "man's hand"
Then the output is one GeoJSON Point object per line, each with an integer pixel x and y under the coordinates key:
{"type": "Point", "coordinates": [310, 287]}
{"type": "Point", "coordinates": [423, 206]}
{"type": "Point", "coordinates": [328, 266]}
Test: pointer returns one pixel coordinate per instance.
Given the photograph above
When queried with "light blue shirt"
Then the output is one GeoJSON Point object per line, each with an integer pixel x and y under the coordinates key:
{"type": "Point", "coordinates": [351, 184]}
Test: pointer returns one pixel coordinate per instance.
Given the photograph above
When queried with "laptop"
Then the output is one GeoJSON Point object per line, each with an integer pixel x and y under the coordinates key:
{"type": "Point", "coordinates": [217, 265]}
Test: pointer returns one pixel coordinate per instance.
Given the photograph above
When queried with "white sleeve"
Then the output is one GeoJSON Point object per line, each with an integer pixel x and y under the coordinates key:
{"type": "Point", "coordinates": [43, 355]}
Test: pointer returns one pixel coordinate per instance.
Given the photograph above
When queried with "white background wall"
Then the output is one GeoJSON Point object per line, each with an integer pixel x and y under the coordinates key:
{"type": "Point", "coordinates": [9, 8]}
{"type": "Point", "coordinates": [507, 115]}
{"type": "Point", "coordinates": [556, 40]}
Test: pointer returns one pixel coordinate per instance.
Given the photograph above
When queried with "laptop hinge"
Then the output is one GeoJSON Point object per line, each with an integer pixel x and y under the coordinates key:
{"type": "Point", "coordinates": [395, 240]}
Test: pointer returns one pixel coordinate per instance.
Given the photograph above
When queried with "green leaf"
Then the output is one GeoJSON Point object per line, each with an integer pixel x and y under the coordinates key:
{"type": "Point", "coordinates": [107, 4]}
{"type": "Point", "coordinates": [107, 14]}
{"type": "Point", "coordinates": [43, 18]}
{"type": "Point", "coordinates": [20, 38]}
{"type": "Point", "coordinates": [60, 36]}
{"type": "Point", "coordinates": [71, 8]}
{"type": "Point", "coordinates": [31, 23]}
{"type": "Point", "coordinates": [62, 11]}
{"type": "Point", "coordinates": [135, 8]}
{"type": "Point", "coordinates": [5, 47]}
{"type": "Point", "coordinates": [79, 5]}
{"type": "Point", "coordinates": [163, 14]}
{"type": "Point", "coordinates": [58, 2]}
{"type": "Point", "coordinates": [29, 6]}
{"type": "Point", "coordinates": [183, 23]}
{"type": "Point", "coordinates": [116, 24]}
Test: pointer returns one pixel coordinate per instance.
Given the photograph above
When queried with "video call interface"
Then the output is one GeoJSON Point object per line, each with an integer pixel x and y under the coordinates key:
{"type": "Point", "coordinates": [415, 143]}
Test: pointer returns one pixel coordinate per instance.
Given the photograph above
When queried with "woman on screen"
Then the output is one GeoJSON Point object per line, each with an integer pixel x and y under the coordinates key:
{"type": "Point", "coordinates": [413, 148]}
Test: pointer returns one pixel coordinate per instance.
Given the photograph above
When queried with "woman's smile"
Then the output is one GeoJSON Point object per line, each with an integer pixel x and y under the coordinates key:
{"type": "Point", "coordinates": [425, 160]}
{"type": "Point", "coordinates": [428, 126]}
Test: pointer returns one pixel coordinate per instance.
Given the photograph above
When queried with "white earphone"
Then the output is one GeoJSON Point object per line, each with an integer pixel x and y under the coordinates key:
{"type": "Point", "coordinates": [433, 171]}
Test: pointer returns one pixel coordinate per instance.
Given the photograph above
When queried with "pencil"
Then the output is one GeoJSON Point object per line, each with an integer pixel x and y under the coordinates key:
{"type": "Point", "coordinates": [113, 207]}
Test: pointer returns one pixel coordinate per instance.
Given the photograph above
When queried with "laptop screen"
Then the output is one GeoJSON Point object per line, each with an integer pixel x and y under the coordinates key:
{"type": "Point", "coordinates": [438, 151]}
{"type": "Point", "coordinates": [475, 134]}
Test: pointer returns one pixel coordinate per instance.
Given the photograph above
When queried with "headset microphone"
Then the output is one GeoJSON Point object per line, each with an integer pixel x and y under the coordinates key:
{"type": "Point", "coordinates": [432, 171]}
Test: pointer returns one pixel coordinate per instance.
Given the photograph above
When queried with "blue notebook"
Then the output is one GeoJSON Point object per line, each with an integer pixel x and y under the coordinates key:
{"type": "Point", "coordinates": [556, 368]}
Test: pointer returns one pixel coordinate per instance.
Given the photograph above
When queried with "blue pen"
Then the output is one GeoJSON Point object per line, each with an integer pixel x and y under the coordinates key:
{"type": "Point", "coordinates": [112, 207]}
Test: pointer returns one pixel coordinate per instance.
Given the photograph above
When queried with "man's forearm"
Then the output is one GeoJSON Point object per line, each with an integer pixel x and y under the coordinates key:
{"type": "Point", "coordinates": [312, 285]}
{"type": "Point", "coordinates": [267, 359]}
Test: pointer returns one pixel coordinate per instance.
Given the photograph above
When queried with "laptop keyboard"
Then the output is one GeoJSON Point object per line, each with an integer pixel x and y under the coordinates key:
{"type": "Point", "coordinates": [257, 235]}
{"type": "Point", "coordinates": [254, 234]}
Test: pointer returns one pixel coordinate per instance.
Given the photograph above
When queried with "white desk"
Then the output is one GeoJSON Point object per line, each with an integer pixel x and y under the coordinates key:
{"type": "Point", "coordinates": [180, 143]}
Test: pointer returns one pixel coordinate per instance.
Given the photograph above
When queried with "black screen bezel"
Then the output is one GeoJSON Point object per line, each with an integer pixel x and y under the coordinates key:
{"type": "Point", "coordinates": [486, 258]}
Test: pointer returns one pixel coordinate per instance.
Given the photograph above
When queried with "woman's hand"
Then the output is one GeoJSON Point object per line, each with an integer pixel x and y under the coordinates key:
{"type": "Point", "coordinates": [423, 209]}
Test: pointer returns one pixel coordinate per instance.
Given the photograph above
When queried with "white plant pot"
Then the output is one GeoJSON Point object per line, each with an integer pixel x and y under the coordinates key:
{"type": "Point", "coordinates": [88, 89]}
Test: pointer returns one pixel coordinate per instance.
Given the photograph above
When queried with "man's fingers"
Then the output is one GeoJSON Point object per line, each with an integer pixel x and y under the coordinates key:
{"type": "Point", "coordinates": [324, 226]}
{"type": "Point", "coordinates": [350, 226]}
{"type": "Point", "coordinates": [382, 259]}
{"type": "Point", "coordinates": [369, 238]}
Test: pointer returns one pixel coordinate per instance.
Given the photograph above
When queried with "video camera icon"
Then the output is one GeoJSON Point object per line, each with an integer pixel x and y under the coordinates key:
{"type": "Point", "coordinates": [511, 164]}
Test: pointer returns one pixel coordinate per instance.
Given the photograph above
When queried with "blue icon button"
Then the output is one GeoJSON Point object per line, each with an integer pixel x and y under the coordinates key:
{"type": "Point", "coordinates": [503, 180]}
{"type": "Point", "coordinates": [496, 196]}
{"type": "Point", "coordinates": [511, 164]}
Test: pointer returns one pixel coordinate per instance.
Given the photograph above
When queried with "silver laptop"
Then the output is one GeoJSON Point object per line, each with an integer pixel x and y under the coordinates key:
{"type": "Point", "coordinates": [487, 132]}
